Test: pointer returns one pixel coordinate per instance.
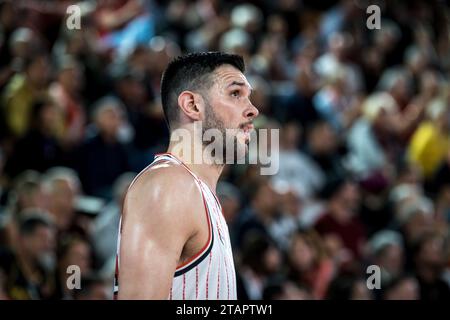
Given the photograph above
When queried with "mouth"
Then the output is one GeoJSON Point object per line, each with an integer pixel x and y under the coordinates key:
{"type": "Point", "coordinates": [246, 130]}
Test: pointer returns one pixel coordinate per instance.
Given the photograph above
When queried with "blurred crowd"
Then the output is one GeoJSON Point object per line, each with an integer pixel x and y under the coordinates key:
{"type": "Point", "coordinates": [364, 119]}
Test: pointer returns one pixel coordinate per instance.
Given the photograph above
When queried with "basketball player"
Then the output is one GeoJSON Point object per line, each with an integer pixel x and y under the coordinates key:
{"type": "Point", "coordinates": [174, 241]}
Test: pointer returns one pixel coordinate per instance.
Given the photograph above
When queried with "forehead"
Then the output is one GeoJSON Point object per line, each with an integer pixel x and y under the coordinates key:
{"type": "Point", "coordinates": [226, 75]}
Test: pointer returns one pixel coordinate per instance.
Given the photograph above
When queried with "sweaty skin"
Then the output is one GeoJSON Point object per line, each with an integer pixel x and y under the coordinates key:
{"type": "Point", "coordinates": [164, 221]}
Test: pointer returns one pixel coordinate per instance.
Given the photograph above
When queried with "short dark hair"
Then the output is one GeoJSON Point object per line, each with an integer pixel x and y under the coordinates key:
{"type": "Point", "coordinates": [31, 222]}
{"type": "Point", "coordinates": [191, 72]}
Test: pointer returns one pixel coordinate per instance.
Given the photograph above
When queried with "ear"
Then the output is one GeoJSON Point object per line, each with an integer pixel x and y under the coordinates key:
{"type": "Point", "coordinates": [190, 104]}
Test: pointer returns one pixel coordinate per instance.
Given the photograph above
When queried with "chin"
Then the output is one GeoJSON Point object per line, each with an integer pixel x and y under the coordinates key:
{"type": "Point", "coordinates": [242, 146]}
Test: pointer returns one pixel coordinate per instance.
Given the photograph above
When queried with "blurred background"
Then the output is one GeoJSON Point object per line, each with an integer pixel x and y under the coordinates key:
{"type": "Point", "coordinates": [364, 119]}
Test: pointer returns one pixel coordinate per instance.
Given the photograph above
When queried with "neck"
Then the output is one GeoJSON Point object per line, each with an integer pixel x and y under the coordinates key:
{"type": "Point", "coordinates": [209, 173]}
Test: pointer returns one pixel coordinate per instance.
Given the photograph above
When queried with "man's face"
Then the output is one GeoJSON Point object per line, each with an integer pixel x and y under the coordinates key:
{"type": "Point", "coordinates": [302, 254]}
{"type": "Point", "coordinates": [40, 243]}
{"type": "Point", "coordinates": [350, 195]}
{"type": "Point", "coordinates": [109, 121]}
{"type": "Point", "coordinates": [63, 196]}
{"type": "Point", "coordinates": [72, 79]}
{"type": "Point", "coordinates": [79, 254]}
{"type": "Point", "coordinates": [322, 139]}
{"type": "Point", "coordinates": [227, 106]}
{"type": "Point", "coordinates": [392, 259]}
{"type": "Point", "coordinates": [39, 72]}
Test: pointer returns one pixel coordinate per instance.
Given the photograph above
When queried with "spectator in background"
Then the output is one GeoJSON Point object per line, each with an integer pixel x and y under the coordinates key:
{"type": "Point", "coordinates": [299, 106]}
{"type": "Point", "coordinates": [202, 22]}
{"type": "Point", "coordinates": [259, 217]}
{"type": "Point", "coordinates": [289, 218]}
{"type": "Point", "coordinates": [92, 288]}
{"type": "Point", "coordinates": [106, 226]}
{"type": "Point", "coordinates": [397, 82]}
{"type": "Point", "coordinates": [3, 188]}
{"type": "Point", "coordinates": [297, 168]}
{"type": "Point", "coordinates": [372, 64]}
{"type": "Point", "coordinates": [39, 148]}
{"type": "Point", "coordinates": [386, 251]}
{"type": "Point", "coordinates": [148, 124]}
{"type": "Point", "coordinates": [23, 91]}
{"type": "Point", "coordinates": [431, 141]}
{"type": "Point", "coordinates": [387, 41]}
{"type": "Point", "coordinates": [371, 142]}
{"type": "Point", "coordinates": [429, 92]}
{"type": "Point", "coordinates": [123, 24]}
{"type": "Point", "coordinates": [73, 250]}
{"type": "Point", "coordinates": [331, 101]}
{"type": "Point", "coordinates": [309, 265]}
{"type": "Point", "coordinates": [80, 46]}
{"type": "Point", "coordinates": [349, 288]}
{"type": "Point", "coordinates": [45, 16]}
{"type": "Point", "coordinates": [29, 268]}
{"type": "Point", "coordinates": [260, 260]}
{"type": "Point", "coordinates": [62, 186]}
{"type": "Point", "coordinates": [443, 205]}
{"type": "Point", "coordinates": [270, 58]}
{"type": "Point", "coordinates": [22, 44]}
{"type": "Point", "coordinates": [230, 200]}
{"type": "Point", "coordinates": [415, 219]}
{"type": "Point", "coordinates": [340, 224]}
{"type": "Point", "coordinates": [322, 145]}
{"type": "Point", "coordinates": [401, 288]}
{"type": "Point", "coordinates": [3, 294]}
{"type": "Point", "coordinates": [7, 27]}
{"type": "Point", "coordinates": [282, 289]}
{"type": "Point", "coordinates": [26, 193]}
{"type": "Point", "coordinates": [102, 157]}
{"type": "Point", "coordinates": [160, 49]}
{"type": "Point", "coordinates": [66, 93]}
{"type": "Point", "coordinates": [334, 61]}
{"type": "Point", "coordinates": [429, 258]}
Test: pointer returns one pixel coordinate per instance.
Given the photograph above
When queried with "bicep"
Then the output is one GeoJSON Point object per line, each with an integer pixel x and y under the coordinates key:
{"type": "Point", "coordinates": [151, 245]}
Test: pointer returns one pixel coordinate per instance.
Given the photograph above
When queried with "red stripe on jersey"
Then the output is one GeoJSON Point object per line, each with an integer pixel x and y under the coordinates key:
{"type": "Point", "coordinates": [184, 286]}
{"type": "Point", "coordinates": [218, 282]}
{"type": "Point", "coordinates": [228, 282]}
{"type": "Point", "coordinates": [207, 276]}
{"type": "Point", "coordinates": [196, 282]}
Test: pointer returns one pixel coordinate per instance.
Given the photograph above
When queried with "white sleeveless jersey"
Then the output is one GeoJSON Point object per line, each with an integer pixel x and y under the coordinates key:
{"type": "Point", "coordinates": [209, 274]}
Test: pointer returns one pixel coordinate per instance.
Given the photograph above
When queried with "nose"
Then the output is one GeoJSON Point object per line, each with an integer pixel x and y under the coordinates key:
{"type": "Point", "coordinates": [251, 112]}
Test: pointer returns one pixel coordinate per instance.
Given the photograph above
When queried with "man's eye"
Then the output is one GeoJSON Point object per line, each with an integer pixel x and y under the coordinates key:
{"type": "Point", "coordinates": [235, 93]}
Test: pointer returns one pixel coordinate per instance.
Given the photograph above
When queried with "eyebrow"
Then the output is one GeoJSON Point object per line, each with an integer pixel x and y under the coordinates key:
{"type": "Point", "coordinates": [238, 83]}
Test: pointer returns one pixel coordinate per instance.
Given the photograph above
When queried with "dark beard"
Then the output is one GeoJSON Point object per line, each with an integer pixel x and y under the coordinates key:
{"type": "Point", "coordinates": [213, 122]}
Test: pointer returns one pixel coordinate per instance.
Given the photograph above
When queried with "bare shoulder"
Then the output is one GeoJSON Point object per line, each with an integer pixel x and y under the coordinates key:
{"type": "Point", "coordinates": [163, 181]}
{"type": "Point", "coordinates": [160, 228]}
{"type": "Point", "coordinates": [165, 191]}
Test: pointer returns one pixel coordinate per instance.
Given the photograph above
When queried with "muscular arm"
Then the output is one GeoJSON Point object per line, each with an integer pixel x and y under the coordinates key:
{"type": "Point", "coordinates": [159, 218]}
